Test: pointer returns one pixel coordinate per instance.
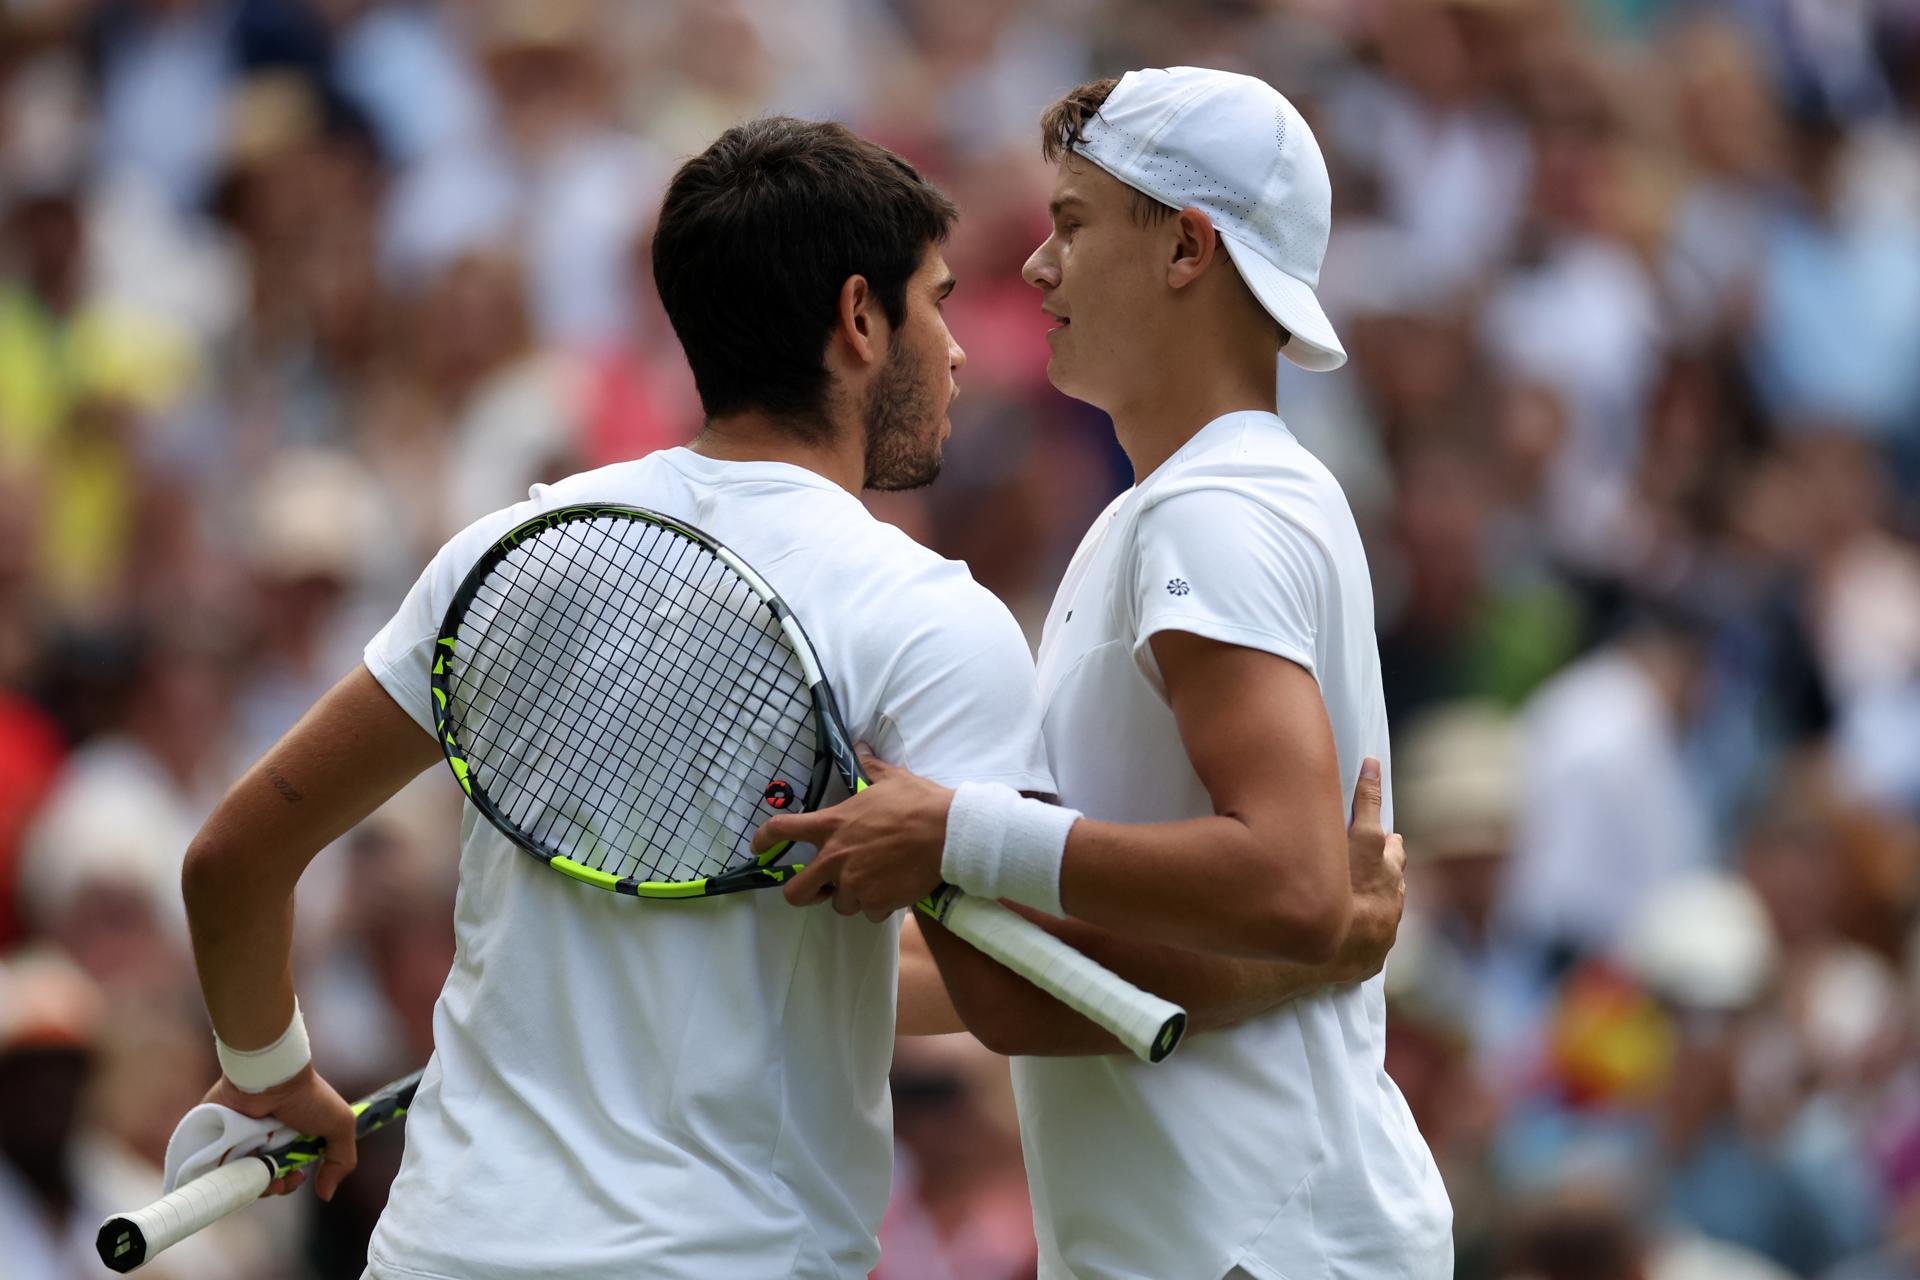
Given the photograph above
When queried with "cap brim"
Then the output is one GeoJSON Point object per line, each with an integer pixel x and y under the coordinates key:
{"type": "Point", "coordinates": [1313, 344]}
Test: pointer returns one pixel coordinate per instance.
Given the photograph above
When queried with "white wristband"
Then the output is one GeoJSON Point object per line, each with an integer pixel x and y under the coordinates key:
{"type": "Point", "coordinates": [258, 1070]}
{"type": "Point", "coordinates": [1000, 844]}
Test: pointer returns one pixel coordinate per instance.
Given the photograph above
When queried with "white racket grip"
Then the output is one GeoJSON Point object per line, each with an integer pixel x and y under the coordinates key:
{"type": "Point", "coordinates": [130, 1239]}
{"type": "Point", "coordinates": [1146, 1024]}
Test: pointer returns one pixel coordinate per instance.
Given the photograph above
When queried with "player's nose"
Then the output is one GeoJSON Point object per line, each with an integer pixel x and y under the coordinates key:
{"type": "Point", "coordinates": [1041, 270]}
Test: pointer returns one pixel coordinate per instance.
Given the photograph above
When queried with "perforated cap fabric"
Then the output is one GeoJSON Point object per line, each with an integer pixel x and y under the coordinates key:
{"type": "Point", "coordinates": [1234, 148]}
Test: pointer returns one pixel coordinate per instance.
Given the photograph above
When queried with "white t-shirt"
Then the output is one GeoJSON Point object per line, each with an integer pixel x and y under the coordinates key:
{"type": "Point", "coordinates": [1280, 1145]}
{"type": "Point", "coordinates": [699, 1089]}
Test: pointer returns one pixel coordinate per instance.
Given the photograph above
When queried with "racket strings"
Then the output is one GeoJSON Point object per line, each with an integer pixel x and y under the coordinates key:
{"type": "Point", "coordinates": [625, 699]}
{"type": "Point", "coordinates": [697, 806]}
{"type": "Point", "coordinates": [679, 710]}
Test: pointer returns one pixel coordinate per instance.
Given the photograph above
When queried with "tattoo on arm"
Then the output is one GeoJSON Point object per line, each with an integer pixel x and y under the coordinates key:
{"type": "Point", "coordinates": [284, 787]}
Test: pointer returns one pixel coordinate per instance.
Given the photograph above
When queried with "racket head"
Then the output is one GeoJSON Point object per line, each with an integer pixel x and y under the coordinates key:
{"type": "Point", "coordinates": [627, 701]}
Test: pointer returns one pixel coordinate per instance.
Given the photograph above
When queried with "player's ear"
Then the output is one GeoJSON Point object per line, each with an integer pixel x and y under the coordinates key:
{"type": "Point", "coordinates": [1193, 243]}
{"type": "Point", "coordinates": [857, 320]}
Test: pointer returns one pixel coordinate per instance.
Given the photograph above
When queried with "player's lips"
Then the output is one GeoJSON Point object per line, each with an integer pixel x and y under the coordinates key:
{"type": "Point", "coordinates": [1060, 322]}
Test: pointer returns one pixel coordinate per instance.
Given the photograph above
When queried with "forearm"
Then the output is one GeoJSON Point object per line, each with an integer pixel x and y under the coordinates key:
{"type": "Point", "coordinates": [1004, 1011]}
{"type": "Point", "coordinates": [924, 1007]}
{"type": "Point", "coordinates": [340, 763]}
{"type": "Point", "coordinates": [1012, 1016]}
{"type": "Point", "coordinates": [238, 882]}
{"type": "Point", "coordinates": [1212, 884]}
{"type": "Point", "coordinates": [242, 947]}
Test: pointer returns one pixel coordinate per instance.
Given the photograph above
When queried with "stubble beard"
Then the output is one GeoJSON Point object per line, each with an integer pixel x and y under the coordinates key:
{"type": "Point", "coordinates": [901, 420]}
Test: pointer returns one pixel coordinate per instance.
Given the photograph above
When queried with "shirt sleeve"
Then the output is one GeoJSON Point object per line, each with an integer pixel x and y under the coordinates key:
{"type": "Point", "coordinates": [1227, 567]}
{"type": "Point", "coordinates": [961, 703]}
{"type": "Point", "coordinates": [400, 655]}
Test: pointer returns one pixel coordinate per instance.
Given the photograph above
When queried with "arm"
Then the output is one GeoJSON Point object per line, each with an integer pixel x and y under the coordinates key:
{"type": "Point", "coordinates": [1256, 732]}
{"type": "Point", "coordinates": [1011, 1016]}
{"type": "Point", "coordinates": [353, 750]}
{"type": "Point", "coordinates": [923, 1007]}
{"type": "Point", "coordinates": [1264, 877]}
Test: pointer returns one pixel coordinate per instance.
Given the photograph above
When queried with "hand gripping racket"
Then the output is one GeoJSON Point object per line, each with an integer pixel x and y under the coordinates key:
{"type": "Point", "coordinates": [129, 1240]}
{"type": "Point", "coordinates": [626, 700]}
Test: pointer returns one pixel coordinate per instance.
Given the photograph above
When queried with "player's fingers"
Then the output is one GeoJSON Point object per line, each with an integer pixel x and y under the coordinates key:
{"type": "Point", "coordinates": [334, 1169]}
{"type": "Point", "coordinates": [286, 1185]}
{"type": "Point", "coordinates": [1366, 796]}
{"type": "Point", "coordinates": [342, 1153]}
{"type": "Point", "coordinates": [845, 901]}
{"type": "Point", "coordinates": [1396, 856]}
{"type": "Point", "coordinates": [812, 885]}
{"type": "Point", "coordinates": [800, 828]}
{"type": "Point", "coordinates": [873, 766]}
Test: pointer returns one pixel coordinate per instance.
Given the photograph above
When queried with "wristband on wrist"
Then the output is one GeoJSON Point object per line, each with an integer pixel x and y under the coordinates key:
{"type": "Point", "coordinates": [258, 1070]}
{"type": "Point", "coordinates": [1000, 844]}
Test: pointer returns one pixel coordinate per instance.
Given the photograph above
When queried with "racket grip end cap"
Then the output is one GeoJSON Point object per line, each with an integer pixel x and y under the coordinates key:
{"type": "Point", "coordinates": [1171, 1033]}
{"type": "Point", "coordinates": [122, 1244]}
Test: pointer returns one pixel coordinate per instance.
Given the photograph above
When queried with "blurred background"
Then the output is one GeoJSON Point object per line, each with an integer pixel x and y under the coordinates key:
{"type": "Point", "coordinates": [291, 289]}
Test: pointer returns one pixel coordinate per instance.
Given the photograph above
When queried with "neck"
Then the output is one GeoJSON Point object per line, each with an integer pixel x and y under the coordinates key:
{"type": "Point", "coordinates": [1205, 379]}
{"type": "Point", "coordinates": [754, 436]}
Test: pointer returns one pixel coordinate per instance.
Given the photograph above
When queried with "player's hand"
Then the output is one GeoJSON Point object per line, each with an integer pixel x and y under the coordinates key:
{"type": "Point", "coordinates": [879, 851]}
{"type": "Point", "coordinates": [309, 1105]}
{"type": "Point", "coordinates": [1377, 865]}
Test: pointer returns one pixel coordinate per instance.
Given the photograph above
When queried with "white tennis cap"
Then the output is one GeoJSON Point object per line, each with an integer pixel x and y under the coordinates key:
{"type": "Point", "coordinates": [1232, 147]}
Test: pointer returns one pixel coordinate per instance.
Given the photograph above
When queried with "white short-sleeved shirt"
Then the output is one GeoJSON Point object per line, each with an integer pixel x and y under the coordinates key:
{"type": "Point", "coordinates": [622, 1088]}
{"type": "Point", "coordinates": [1280, 1145]}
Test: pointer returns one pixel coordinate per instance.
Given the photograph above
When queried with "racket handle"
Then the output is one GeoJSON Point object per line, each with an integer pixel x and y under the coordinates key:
{"type": "Point", "coordinates": [1146, 1024]}
{"type": "Point", "coordinates": [129, 1240]}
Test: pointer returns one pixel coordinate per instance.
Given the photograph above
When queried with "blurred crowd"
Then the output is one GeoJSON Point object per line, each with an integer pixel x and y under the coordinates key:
{"type": "Point", "coordinates": [292, 289]}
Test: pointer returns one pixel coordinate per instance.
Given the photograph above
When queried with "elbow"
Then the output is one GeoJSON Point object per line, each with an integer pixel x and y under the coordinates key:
{"type": "Point", "coordinates": [214, 871]}
{"type": "Point", "coordinates": [1306, 924]}
{"type": "Point", "coordinates": [999, 1037]}
{"type": "Point", "coordinates": [994, 1026]}
{"type": "Point", "coordinates": [201, 872]}
{"type": "Point", "coordinates": [1015, 1026]}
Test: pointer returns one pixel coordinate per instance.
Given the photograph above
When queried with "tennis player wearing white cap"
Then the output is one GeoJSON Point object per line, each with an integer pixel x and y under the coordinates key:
{"type": "Point", "coordinates": [1212, 688]}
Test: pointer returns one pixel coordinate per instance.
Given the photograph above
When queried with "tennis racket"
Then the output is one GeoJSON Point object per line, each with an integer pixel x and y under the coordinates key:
{"type": "Point", "coordinates": [626, 700]}
{"type": "Point", "coordinates": [129, 1240]}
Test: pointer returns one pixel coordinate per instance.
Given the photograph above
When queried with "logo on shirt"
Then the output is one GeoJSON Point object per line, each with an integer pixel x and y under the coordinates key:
{"type": "Point", "coordinates": [779, 794]}
{"type": "Point", "coordinates": [1177, 586]}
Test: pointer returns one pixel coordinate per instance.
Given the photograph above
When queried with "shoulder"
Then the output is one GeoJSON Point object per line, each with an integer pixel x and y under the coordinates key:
{"type": "Point", "coordinates": [1256, 472]}
{"type": "Point", "coordinates": [904, 572]}
{"type": "Point", "coordinates": [600, 484]}
{"type": "Point", "coordinates": [933, 600]}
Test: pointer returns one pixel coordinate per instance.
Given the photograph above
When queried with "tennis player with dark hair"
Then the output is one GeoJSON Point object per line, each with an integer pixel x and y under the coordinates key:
{"type": "Point", "coordinates": [1212, 697]}
{"type": "Point", "coordinates": [696, 1090]}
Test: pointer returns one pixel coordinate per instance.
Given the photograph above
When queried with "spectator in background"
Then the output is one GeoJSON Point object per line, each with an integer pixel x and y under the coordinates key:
{"type": "Point", "coordinates": [557, 177]}
{"type": "Point", "coordinates": [1704, 947]}
{"type": "Point", "coordinates": [1457, 792]}
{"type": "Point", "coordinates": [114, 828]}
{"type": "Point", "coordinates": [959, 1208]}
{"type": "Point", "coordinates": [1593, 1233]}
{"type": "Point", "coordinates": [1608, 813]}
{"type": "Point", "coordinates": [1837, 297]}
{"type": "Point", "coordinates": [59, 1177]}
{"type": "Point", "coordinates": [1469, 618]}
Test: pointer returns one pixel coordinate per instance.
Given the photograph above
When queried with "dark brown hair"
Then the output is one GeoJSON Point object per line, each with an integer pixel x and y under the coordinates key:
{"type": "Point", "coordinates": [1064, 123]}
{"type": "Point", "coordinates": [757, 235]}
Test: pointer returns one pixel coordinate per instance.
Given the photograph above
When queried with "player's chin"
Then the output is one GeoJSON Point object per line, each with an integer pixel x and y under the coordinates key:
{"type": "Point", "coordinates": [916, 473]}
{"type": "Point", "coordinates": [1060, 372]}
